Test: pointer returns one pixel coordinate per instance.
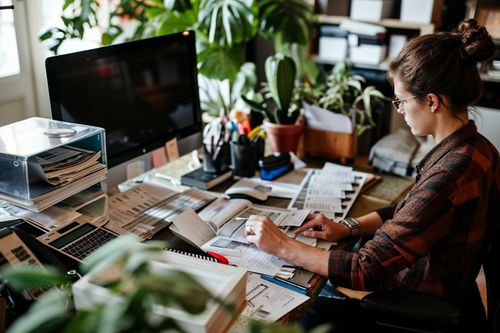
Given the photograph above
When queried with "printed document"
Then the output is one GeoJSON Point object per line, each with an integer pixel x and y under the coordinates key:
{"type": "Point", "coordinates": [267, 301]}
{"type": "Point", "coordinates": [220, 227]}
{"type": "Point", "coordinates": [331, 190]}
{"type": "Point", "coordinates": [147, 208]}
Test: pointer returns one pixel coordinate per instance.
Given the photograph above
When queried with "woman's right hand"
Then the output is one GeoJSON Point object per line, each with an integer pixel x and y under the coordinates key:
{"type": "Point", "coordinates": [319, 226]}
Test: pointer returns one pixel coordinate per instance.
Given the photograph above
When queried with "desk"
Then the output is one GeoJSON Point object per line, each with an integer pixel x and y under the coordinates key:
{"type": "Point", "coordinates": [386, 192]}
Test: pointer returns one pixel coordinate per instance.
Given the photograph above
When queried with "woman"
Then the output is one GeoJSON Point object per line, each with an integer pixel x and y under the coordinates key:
{"type": "Point", "coordinates": [434, 241]}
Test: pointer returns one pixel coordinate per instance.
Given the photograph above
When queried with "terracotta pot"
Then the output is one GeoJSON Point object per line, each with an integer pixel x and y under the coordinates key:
{"type": "Point", "coordinates": [284, 138]}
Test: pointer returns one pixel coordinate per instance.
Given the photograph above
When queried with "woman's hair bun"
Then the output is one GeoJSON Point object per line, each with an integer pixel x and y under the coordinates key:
{"type": "Point", "coordinates": [476, 41]}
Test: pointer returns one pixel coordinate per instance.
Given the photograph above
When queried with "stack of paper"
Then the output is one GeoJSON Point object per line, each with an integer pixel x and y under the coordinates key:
{"type": "Point", "coordinates": [90, 205]}
{"type": "Point", "coordinates": [57, 174]}
{"type": "Point", "coordinates": [147, 208]}
{"type": "Point", "coordinates": [63, 165]}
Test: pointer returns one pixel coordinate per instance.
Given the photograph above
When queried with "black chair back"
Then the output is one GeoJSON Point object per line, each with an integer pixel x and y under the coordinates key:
{"type": "Point", "coordinates": [492, 274]}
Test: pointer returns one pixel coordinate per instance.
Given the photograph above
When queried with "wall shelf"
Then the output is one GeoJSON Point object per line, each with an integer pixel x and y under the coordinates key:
{"type": "Point", "coordinates": [388, 23]}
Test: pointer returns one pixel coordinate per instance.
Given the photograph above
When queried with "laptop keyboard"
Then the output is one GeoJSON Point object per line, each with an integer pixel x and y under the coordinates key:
{"type": "Point", "coordinates": [88, 243]}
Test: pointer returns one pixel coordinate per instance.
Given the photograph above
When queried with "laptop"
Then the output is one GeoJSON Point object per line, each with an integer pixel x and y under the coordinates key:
{"type": "Point", "coordinates": [77, 239]}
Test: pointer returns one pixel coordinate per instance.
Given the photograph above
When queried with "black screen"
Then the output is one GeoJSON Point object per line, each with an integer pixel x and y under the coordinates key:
{"type": "Point", "coordinates": [142, 93]}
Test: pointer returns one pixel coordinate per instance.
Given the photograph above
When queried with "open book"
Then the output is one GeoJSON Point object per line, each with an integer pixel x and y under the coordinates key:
{"type": "Point", "coordinates": [220, 227]}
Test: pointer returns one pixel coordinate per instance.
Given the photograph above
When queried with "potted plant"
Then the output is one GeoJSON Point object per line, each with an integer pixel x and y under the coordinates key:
{"type": "Point", "coordinates": [141, 288]}
{"type": "Point", "coordinates": [278, 101]}
{"type": "Point", "coordinates": [352, 103]}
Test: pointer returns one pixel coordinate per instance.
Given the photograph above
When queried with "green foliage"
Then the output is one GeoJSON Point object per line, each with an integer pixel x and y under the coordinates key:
{"type": "Point", "coordinates": [141, 290]}
{"type": "Point", "coordinates": [278, 99]}
{"type": "Point", "coordinates": [223, 27]}
{"type": "Point", "coordinates": [218, 96]}
{"type": "Point", "coordinates": [78, 15]}
{"type": "Point", "coordinates": [140, 287]}
{"type": "Point", "coordinates": [285, 21]}
{"type": "Point", "coordinates": [289, 23]}
{"type": "Point", "coordinates": [346, 94]}
{"type": "Point", "coordinates": [227, 22]}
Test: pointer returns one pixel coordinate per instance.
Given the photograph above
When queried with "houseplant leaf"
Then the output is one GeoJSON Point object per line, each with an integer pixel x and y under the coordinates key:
{"type": "Point", "coordinates": [280, 75]}
{"type": "Point", "coordinates": [48, 314]}
{"type": "Point", "coordinates": [25, 277]}
{"type": "Point", "coordinates": [227, 22]}
{"type": "Point", "coordinates": [220, 63]}
{"type": "Point", "coordinates": [290, 20]}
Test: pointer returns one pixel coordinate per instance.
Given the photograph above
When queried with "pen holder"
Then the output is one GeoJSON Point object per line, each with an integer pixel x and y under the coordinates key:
{"type": "Point", "coordinates": [216, 161]}
{"type": "Point", "coordinates": [260, 145]}
{"type": "Point", "coordinates": [243, 159]}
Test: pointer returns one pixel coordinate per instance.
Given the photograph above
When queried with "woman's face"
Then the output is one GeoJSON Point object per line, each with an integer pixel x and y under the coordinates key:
{"type": "Point", "coordinates": [419, 118]}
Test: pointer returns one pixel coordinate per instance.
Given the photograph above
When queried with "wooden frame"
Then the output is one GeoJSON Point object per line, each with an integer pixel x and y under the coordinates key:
{"type": "Point", "coordinates": [489, 17]}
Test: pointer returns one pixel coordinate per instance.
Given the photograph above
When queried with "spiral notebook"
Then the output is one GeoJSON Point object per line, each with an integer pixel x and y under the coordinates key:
{"type": "Point", "coordinates": [194, 255]}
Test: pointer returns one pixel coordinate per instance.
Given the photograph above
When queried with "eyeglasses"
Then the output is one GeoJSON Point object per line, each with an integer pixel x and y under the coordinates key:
{"type": "Point", "coordinates": [397, 102]}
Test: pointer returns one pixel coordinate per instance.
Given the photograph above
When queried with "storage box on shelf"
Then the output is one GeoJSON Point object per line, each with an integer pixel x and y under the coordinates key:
{"type": "Point", "coordinates": [371, 9]}
{"type": "Point", "coordinates": [24, 143]}
{"type": "Point", "coordinates": [325, 42]}
{"type": "Point", "coordinates": [421, 11]}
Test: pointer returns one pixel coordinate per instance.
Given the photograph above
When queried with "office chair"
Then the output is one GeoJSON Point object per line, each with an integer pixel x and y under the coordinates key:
{"type": "Point", "coordinates": [408, 311]}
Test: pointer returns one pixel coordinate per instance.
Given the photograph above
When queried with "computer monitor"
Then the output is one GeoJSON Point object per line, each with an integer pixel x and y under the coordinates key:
{"type": "Point", "coordinates": [143, 93]}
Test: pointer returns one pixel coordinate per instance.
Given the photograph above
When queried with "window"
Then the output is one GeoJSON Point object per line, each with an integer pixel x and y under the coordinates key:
{"type": "Point", "coordinates": [9, 60]}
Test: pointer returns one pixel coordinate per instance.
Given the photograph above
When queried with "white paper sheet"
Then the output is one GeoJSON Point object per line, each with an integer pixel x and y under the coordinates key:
{"type": "Point", "coordinates": [268, 301]}
{"type": "Point", "coordinates": [324, 120]}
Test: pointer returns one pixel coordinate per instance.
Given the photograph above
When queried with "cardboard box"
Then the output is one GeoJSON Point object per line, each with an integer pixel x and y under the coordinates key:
{"type": "Point", "coordinates": [371, 10]}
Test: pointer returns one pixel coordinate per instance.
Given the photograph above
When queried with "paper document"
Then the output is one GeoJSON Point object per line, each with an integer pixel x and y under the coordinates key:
{"type": "Point", "coordinates": [220, 227]}
{"type": "Point", "coordinates": [267, 301]}
{"type": "Point", "coordinates": [146, 209]}
{"type": "Point", "coordinates": [278, 189]}
{"type": "Point", "coordinates": [325, 120]}
{"type": "Point", "coordinates": [331, 190]}
{"type": "Point", "coordinates": [227, 218]}
{"type": "Point", "coordinates": [63, 165]}
{"type": "Point", "coordinates": [90, 205]}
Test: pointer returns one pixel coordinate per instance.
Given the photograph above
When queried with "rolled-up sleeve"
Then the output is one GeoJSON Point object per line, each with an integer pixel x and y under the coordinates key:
{"type": "Point", "coordinates": [402, 239]}
{"type": "Point", "coordinates": [386, 213]}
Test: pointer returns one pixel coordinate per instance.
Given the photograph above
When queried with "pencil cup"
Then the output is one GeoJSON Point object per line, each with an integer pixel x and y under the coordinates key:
{"type": "Point", "coordinates": [216, 161]}
{"type": "Point", "coordinates": [243, 159]}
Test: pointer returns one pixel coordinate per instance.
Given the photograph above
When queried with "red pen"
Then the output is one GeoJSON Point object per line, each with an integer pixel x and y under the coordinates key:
{"type": "Point", "coordinates": [219, 257]}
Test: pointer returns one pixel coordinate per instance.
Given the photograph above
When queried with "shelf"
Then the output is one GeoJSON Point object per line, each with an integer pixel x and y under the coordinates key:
{"type": "Point", "coordinates": [490, 78]}
{"type": "Point", "coordinates": [388, 23]}
{"type": "Point", "coordinates": [383, 66]}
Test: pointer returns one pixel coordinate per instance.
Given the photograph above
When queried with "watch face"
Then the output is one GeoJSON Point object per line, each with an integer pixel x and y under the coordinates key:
{"type": "Point", "coordinates": [352, 223]}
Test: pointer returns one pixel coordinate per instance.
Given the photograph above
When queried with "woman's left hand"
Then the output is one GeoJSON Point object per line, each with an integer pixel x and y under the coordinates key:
{"type": "Point", "coordinates": [262, 231]}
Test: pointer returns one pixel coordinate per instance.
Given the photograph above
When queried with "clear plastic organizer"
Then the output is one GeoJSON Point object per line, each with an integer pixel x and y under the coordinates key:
{"type": "Point", "coordinates": [23, 143]}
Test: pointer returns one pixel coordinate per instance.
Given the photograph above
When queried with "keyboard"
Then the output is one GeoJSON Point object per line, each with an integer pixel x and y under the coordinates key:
{"type": "Point", "coordinates": [87, 244]}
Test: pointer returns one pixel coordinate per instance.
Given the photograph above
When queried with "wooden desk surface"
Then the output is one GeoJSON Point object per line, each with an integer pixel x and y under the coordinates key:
{"type": "Point", "coordinates": [384, 193]}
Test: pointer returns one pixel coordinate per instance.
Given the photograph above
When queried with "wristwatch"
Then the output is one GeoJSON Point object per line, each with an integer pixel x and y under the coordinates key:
{"type": "Point", "coordinates": [353, 224]}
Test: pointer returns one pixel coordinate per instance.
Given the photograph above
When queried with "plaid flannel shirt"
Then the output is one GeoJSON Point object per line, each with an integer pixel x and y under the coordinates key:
{"type": "Point", "coordinates": [435, 240]}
